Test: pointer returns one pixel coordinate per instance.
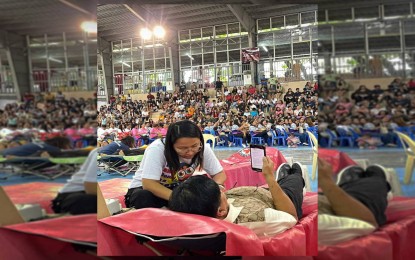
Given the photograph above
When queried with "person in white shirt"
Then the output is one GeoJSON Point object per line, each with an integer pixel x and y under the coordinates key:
{"type": "Point", "coordinates": [169, 162]}
{"type": "Point", "coordinates": [79, 194]}
{"type": "Point", "coordinates": [257, 208]}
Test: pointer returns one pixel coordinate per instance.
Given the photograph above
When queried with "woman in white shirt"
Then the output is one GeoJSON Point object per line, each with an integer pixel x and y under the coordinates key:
{"type": "Point", "coordinates": [169, 162]}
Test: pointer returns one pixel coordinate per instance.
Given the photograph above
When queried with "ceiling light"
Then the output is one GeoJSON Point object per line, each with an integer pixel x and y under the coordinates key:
{"type": "Point", "coordinates": [89, 26]}
{"type": "Point", "coordinates": [159, 31]}
{"type": "Point", "coordinates": [145, 33]}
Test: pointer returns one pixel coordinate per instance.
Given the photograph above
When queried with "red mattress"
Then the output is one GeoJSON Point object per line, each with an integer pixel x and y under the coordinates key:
{"type": "Point", "coordinates": [115, 189]}
{"type": "Point", "coordinates": [115, 234]}
{"type": "Point", "coordinates": [50, 239]}
{"type": "Point", "coordinates": [35, 192]}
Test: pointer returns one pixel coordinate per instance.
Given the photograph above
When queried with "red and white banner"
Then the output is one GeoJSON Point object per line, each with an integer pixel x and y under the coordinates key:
{"type": "Point", "coordinates": [250, 54]}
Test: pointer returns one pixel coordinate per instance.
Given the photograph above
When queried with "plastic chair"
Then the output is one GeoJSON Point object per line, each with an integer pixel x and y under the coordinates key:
{"type": "Point", "coordinates": [314, 146]}
{"type": "Point", "coordinates": [272, 138]}
{"type": "Point", "coordinates": [209, 137]}
{"type": "Point", "coordinates": [281, 136]}
{"type": "Point", "coordinates": [237, 140]}
{"type": "Point", "coordinates": [409, 148]}
{"type": "Point", "coordinates": [344, 137]}
{"type": "Point", "coordinates": [256, 139]}
{"type": "Point", "coordinates": [332, 137]}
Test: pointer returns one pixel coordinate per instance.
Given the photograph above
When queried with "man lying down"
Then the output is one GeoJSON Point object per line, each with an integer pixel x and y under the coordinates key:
{"type": "Point", "coordinates": [266, 212]}
{"type": "Point", "coordinates": [353, 206]}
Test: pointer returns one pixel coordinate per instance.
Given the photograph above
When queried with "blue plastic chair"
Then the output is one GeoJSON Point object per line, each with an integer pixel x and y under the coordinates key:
{"type": "Point", "coordinates": [281, 137]}
{"type": "Point", "coordinates": [272, 138]}
{"type": "Point", "coordinates": [237, 141]}
{"type": "Point", "coordinates": [344, 137]}
{"type": "Point", "coordinates": [256, 139]}
{"type": "Point", "coordinates": [332, 138]}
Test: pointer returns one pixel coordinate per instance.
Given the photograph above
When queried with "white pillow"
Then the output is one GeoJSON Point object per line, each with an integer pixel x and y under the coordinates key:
{"type": "Point", "coordinates": [276, 222]}
{"type": "Point", "coordinates": [334, 229]}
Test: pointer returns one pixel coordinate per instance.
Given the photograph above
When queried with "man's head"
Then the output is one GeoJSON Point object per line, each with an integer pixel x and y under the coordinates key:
{"type": "Point", "coordinates": [199, 195]}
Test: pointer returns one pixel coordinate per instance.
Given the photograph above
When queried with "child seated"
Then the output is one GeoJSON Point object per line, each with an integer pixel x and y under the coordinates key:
{"type": "Point", "coordinates": [367, 141]}
{"type": "Point", "coordinates": [293, 141]}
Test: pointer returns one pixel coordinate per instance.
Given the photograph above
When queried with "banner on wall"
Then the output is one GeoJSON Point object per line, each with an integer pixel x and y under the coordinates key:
{"type": "Point", "coordinates": [250, 54]}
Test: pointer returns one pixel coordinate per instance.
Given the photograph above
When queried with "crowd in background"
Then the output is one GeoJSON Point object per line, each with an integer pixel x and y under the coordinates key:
{"type": "Point", "coordinates": [226, 112]}
{"type": "Point", "coordinates": [369, 116]}
{"type": "Point", "coordinates": [42, 116]}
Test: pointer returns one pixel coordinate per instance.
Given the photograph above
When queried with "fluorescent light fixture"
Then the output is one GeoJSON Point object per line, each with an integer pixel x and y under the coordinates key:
{"type": "Point", "coordinates": [364, 19]}
{"type": "Point", "coordinates": [55, 60]}
{"type": "Point", "coordinates": [306, 24]}
{"type": "Point", "coordinates": [265, 48]}
{"type": "Point", "coordinates": [291, 26]}
{"type": "Point", "coordinates": [89, 26]}
{"type": "Point", "coordinates": [128, 65]}
{"type": "Point", "coordinates": [188, 55]}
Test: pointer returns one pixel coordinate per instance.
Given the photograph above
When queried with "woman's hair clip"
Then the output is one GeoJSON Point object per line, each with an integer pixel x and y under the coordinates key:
{"type": "Point", "coordinates": [177, 129]}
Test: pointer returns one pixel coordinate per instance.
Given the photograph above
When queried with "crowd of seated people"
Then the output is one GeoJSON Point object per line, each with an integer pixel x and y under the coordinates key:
{"type": "Point", "coordinates": [368, 117]}
{"type": "Point", "coordinates": [242, 112]}
{"type": "Point", "coordinates": [40, 117]}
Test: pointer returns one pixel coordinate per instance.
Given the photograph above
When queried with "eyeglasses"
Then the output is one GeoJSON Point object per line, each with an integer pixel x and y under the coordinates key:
{"type": "Point", "coordinates": [193, 149]}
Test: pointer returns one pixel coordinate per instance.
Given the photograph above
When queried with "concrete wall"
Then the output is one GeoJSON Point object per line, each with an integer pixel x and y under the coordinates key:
{"type": "Point", "coordinates": [78, 94]}
{"type": "Point", "coordinates": [370, 83]}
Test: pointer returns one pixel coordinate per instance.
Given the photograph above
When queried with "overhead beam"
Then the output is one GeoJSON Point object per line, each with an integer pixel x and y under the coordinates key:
{"type": "Point", "coordinates": [243, 17]}
{"type": "Point", "coordinates": [196, 21]}
{"type": "Point", "coordinates": [76, 7]}
{"type": "Point", "coordinates": [206, 23]}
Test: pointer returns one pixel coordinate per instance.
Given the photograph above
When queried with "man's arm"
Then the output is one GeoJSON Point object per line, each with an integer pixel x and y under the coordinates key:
{"type": "Point", "coordinates": [341, 202]}
{"type": "Point", "coordinates": [281, 200]}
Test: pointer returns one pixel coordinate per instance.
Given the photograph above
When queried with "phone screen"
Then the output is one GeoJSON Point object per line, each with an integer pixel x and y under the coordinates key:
{"type": "Point", "coordinates": [257, 154]}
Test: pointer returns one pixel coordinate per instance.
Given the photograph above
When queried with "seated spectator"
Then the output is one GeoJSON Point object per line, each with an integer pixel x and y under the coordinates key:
{"type": "Point", "coordinates": [293, 141]}
{"type": "Point", "coordinates": [367, 141]}
{"type": "Point", "coordinates": [362, 93]}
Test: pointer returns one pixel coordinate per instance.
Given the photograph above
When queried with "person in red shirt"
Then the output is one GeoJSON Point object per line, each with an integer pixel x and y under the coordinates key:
{"type": "Point", "coordinates": [411, 84]}
{"type": "Point", "coordinates": [316, 86]}
{"type": "Point", "coordinates": [251, 90]}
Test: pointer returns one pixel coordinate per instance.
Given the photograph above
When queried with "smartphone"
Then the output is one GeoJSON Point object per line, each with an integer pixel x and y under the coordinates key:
{"type": "Point", "coordinates": [257, 154]}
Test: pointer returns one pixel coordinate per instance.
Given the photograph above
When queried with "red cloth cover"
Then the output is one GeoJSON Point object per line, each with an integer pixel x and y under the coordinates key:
{"type": "Point", "coordinates": [165, 223]}
{"type": "Point", "coordinates": [337, 159]}
{"type": "Point", "coordinates": [49, 239]}
{"type": "Point", "coordinates": [115, 236]}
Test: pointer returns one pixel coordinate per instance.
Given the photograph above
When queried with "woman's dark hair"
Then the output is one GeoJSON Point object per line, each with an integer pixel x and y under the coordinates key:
{"type": "Point", "coordinates": [129, 141]}
{"type": "Point", "coordinates": [197, 195]}
{"type": "Point", "coordinates": [184, 128]}
{"type": "Point", "coordinates": [60, 142]}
